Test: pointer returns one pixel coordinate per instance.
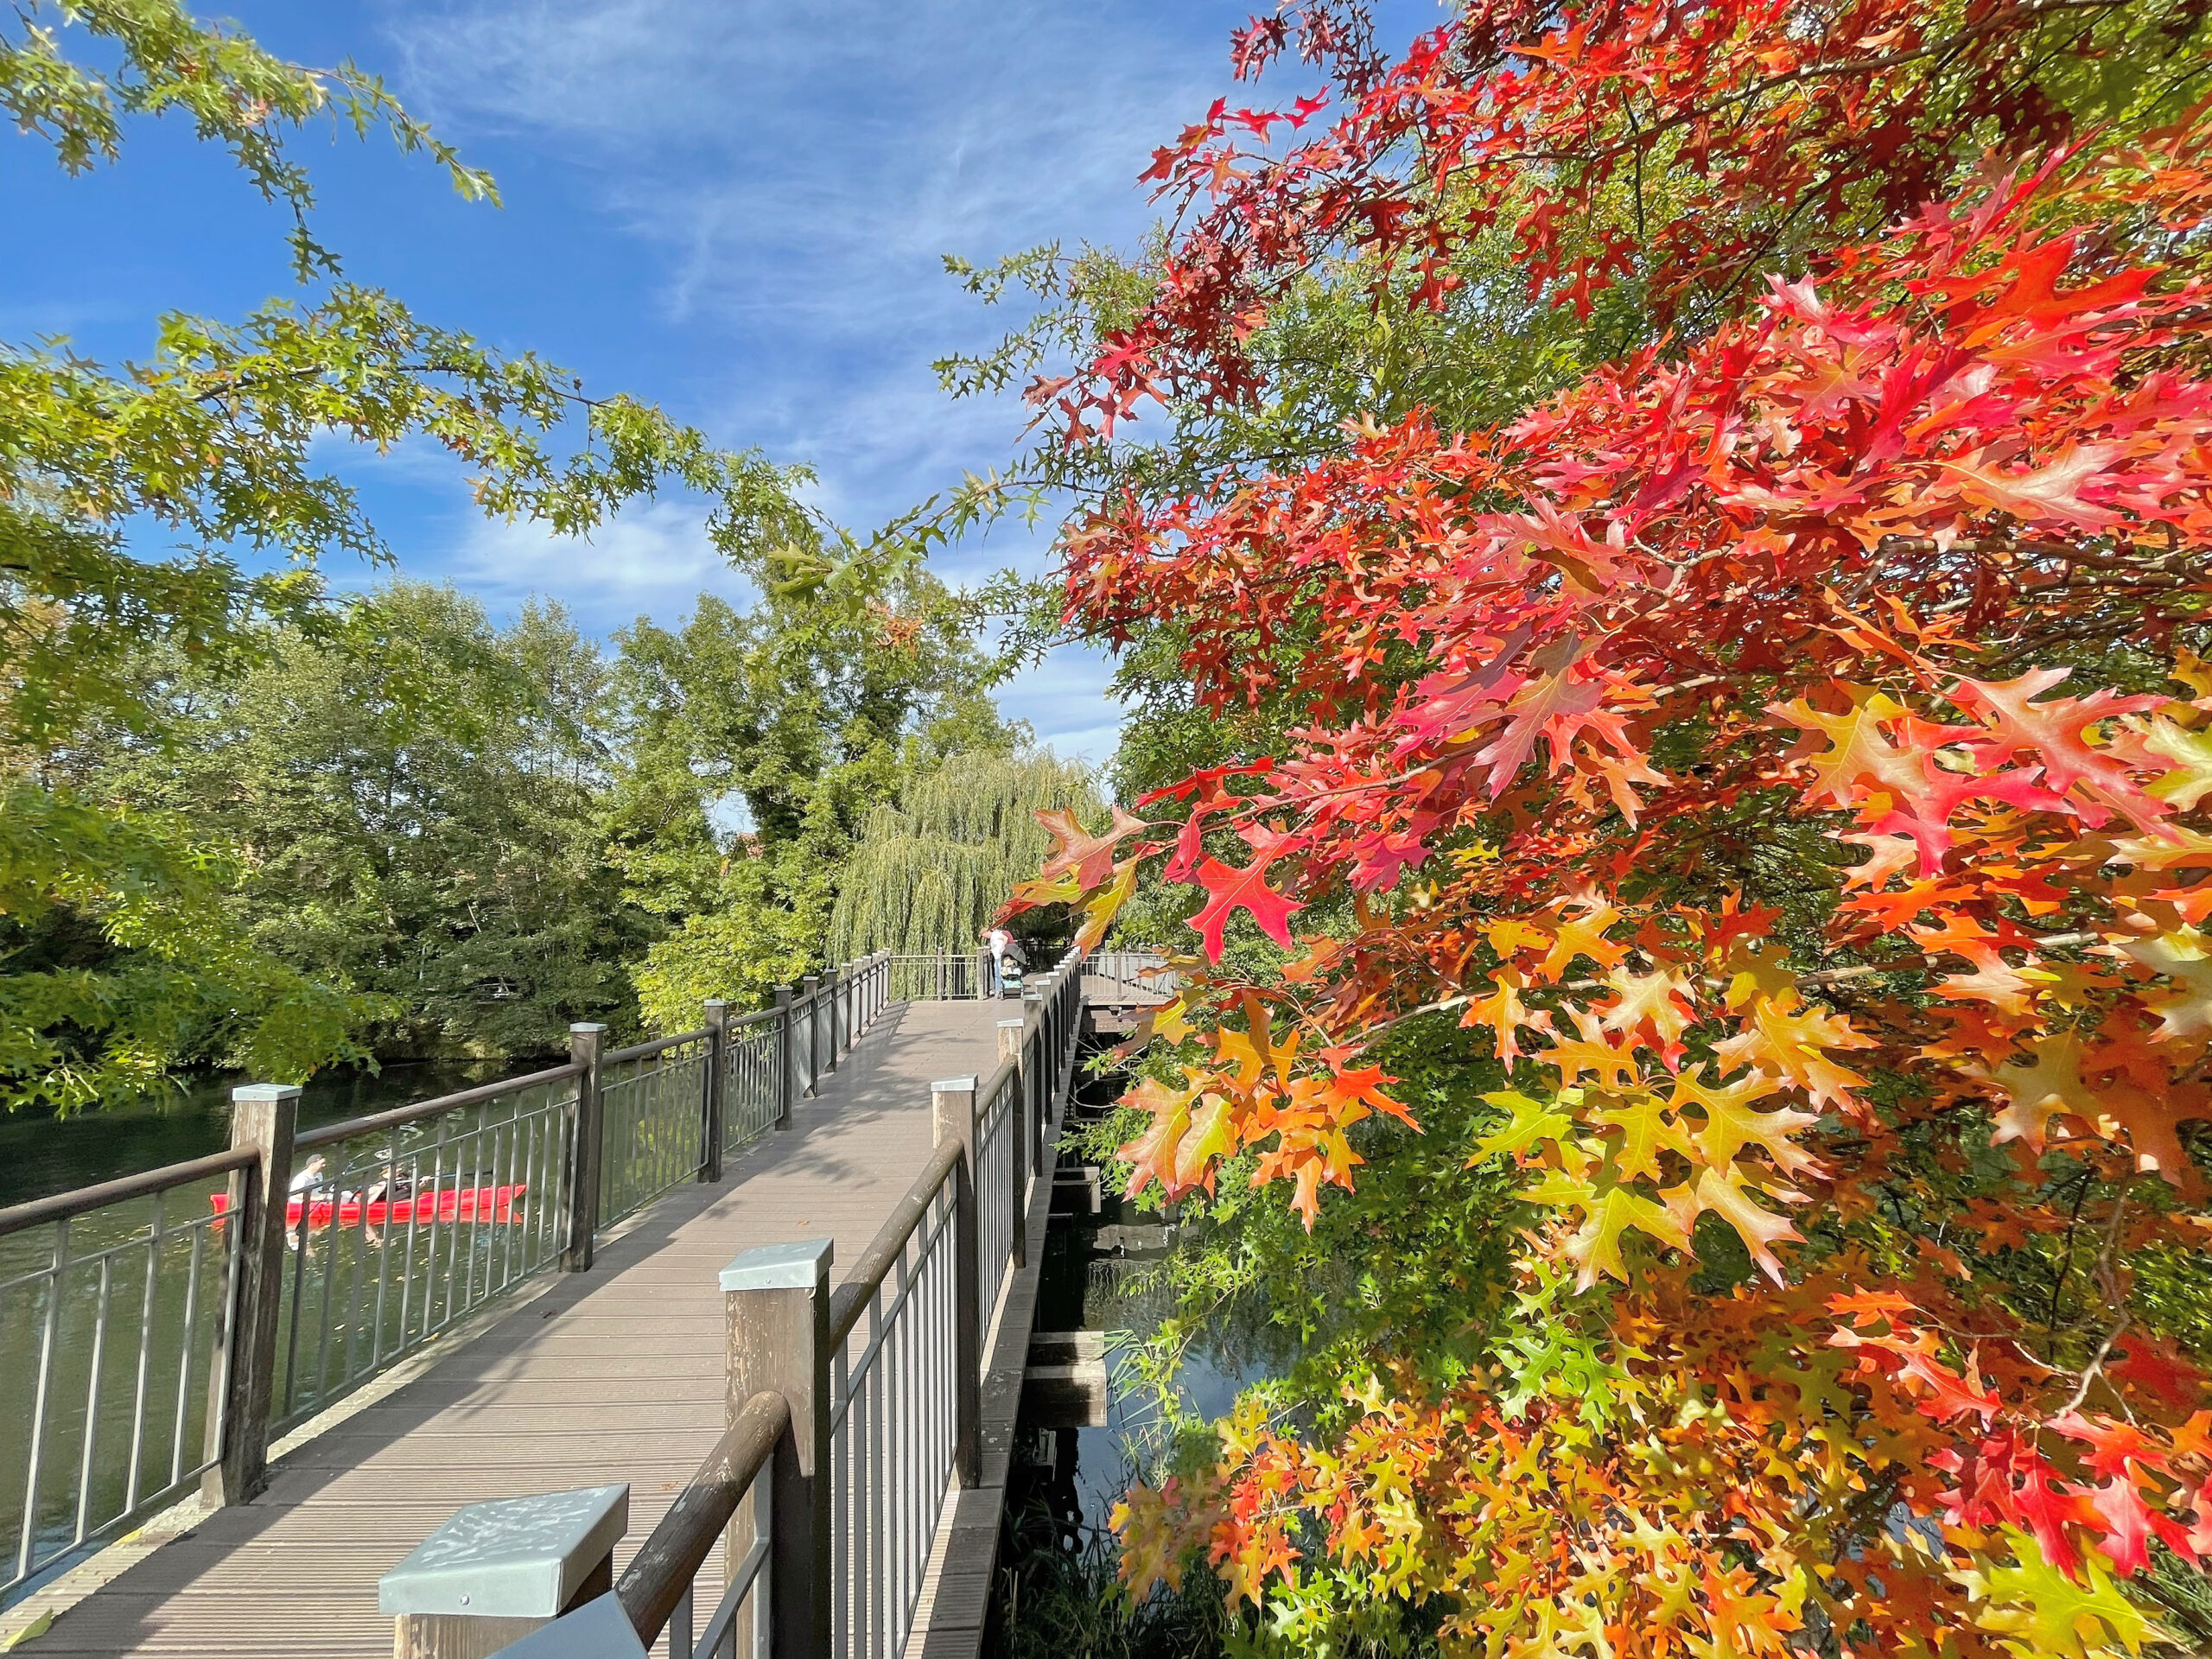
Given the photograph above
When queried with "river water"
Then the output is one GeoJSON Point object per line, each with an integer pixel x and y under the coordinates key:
{"type": "Point", "coordinates": [115, 1376]}
{"type": "Point", "coordinates": [1101, 1274]}
{"type": "Point", "coordinates": [41, 1155]}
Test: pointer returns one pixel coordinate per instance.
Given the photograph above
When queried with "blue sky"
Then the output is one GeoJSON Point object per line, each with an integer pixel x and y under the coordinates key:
{"type": "Point", "coordinates": [733, 208]}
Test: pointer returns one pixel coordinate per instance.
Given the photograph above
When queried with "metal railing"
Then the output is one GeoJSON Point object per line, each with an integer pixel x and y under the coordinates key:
{"type": "Point", "coordinates": [165, 1327]}
{"type": "Point", "coordinates": [894, 1336]}
{"type": "Point", "coordinates": [1000, 1164]}
{"type": "Point", "coordinates": [872, 1397]}
{"type": "Point", "coordinates": [754, 1063]}
{"type": "Point", "coordinates": [421, 1217]}
{"type": "Point", "coordinates": [942, 977]}
{"type": "Point", "coordinates": [653, 1115]}
{"type": "Point", "coordinates": [117, 1301]}
{"type": "Point", "coordinates": [1145, 970]}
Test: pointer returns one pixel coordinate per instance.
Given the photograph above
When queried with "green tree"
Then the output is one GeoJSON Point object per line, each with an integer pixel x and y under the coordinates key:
{"type": "Point", "coordinates": [120, 955]}
{"type": "Point", "coordinates": [931, 871]}
{"type": "Point", "coordinates": [854, 670]}
{"type": "Point", "coordinates": [416, 796]}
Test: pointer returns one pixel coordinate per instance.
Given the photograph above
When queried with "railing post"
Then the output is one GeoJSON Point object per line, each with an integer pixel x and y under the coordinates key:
{"type": "Point", "coordinates": [810, 994]}
{"type": "Point", "coordinates": [710, 1166]}
{"type": "Point", "coordinates": [585, 1044]}
{"type": "Point", "coordinates": [834, 1044]}
{"type": "Point", "coordinates": [264, 1117]}
{"type": "Point", "coordinates": [786, 1057]}
{"type": "Point", "coordinates": [779, 1302]}
{"type": "Point", "coordinates": [1021, 1133]}
{"type": "Point", "coordinates": [497, 1571]}
{"type": "Point", "coordinates": [953, 1116]}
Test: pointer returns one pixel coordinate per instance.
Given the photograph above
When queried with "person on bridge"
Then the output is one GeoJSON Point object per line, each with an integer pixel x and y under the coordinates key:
{"type": "Point", "coordinates": [996, 942]}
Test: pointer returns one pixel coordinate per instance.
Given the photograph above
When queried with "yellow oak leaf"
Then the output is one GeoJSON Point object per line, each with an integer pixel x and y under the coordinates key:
{"type": "Point", "coordinates": [1610, 1209]}
{"type": "Point", "coordinates": [1641, 1129]}
{"type": "Point", "coordinates": [1533, 1123]}
{"type": "Point", "coordinates": [1152, 1154]}
{"type": "Point", "coordinates": [1211, 1137]}
{"type": "Point", "coordinates": [2191, 780]}
{"type": "Point", "coordinates": [1731, 1124]}
{"type": "Point", "coordinates": [2182, 957]}
{"type": "Point", "coordinates": [1849, 754]}
{"type": "Point", "coordinates": [1584, 936]}
{"type": "Point", "coordinates": [1657, 1003]}
{"type": "Point", "coordinates": [1098, 914]}
{"type": "Point", "coordinates": [1728, 1195]}
{"type": "Point", "coordinates": [1787, 1037]}
{"type": "Point", "coordinates": [2045, 1085]}
{"type": "Point", "coordinates": [2038, 1611]}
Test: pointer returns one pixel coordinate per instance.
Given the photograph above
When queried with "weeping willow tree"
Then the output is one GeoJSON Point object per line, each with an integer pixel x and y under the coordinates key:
{"type": "Point", "coordinates": [930, 872]}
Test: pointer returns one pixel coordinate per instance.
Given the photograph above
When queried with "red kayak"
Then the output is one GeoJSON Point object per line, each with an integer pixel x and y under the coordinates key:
{"type": "Point", "coordinates": [442, 1203]}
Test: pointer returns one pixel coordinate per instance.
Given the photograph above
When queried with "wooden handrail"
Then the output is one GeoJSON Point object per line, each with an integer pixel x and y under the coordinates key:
{"type": "Point", "coordinates": [61, 1207]}
{"type": "Point", "coordinates": [846, 1301]}
{"type": "Point", "coordinates": [330, 1133]}
{"type": "Point", "coordinates": [664, 1566]}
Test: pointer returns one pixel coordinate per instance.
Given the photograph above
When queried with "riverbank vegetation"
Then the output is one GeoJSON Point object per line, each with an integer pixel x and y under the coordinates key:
{"type": "Point", "coordinates": [250, 819]}
{"type": "Point", "coordinates": [1661, 552]}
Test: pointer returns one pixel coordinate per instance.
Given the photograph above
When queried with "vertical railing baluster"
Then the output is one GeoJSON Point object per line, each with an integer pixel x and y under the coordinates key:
{"type": "Point", "coordinates": [190, 1346]}
{"type": "Point", "coordinates": [42, 1396]}
{"type": "Point", "coordinates": [89, 1451]}
{"type": "Point", "coordinates": [142, 1378]}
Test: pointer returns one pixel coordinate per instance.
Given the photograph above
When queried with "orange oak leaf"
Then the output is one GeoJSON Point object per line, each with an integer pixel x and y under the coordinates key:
{"type": "Point", "coordinates": [1230, 889]}
{"type": "Point", "coordinates": [1089, 858]}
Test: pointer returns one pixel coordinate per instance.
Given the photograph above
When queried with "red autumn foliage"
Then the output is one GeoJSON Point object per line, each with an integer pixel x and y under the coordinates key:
{"type": "Point", "coordinates": [1839, 572]}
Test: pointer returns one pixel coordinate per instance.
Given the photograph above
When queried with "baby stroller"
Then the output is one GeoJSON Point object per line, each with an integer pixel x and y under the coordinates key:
{"type": "Point", "coordinates": [1010, 967]}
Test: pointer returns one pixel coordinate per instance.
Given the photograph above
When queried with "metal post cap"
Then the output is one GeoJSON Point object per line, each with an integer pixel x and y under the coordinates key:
{"type": "Point", "coordinates": [598, 1629]}
{"type": "Point", "coordinates": [509, 1558]}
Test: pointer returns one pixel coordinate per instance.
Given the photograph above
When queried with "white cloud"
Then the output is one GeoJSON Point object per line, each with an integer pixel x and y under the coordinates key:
{"type": "Point", "coordinates": [653, 560]}
{"type": "Point", "coordinates": [799, 167]}
{"type": "Point", "coordinates": [803, 167]}
{"type": "Point", "coordinates": [1064, 699]}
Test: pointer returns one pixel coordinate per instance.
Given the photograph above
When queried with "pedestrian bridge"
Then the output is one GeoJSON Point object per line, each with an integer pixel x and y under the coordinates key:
{"type": "Point", "coordinates": [773, 1277]}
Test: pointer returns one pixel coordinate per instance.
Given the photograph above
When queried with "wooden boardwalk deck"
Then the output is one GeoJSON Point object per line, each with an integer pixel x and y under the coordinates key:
{"type": "Point", "coordinates": [613, 1374]}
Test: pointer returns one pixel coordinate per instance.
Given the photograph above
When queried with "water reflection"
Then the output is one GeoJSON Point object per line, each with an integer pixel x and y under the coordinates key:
{"type": "Point", "coordinates": [1101, 1273]}
{"type": "Point", "coordinates": [42, 1155]}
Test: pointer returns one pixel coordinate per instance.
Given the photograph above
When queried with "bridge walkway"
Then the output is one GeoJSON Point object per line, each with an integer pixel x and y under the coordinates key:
{"type": "Point", "coordinates": [612, 1375]}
